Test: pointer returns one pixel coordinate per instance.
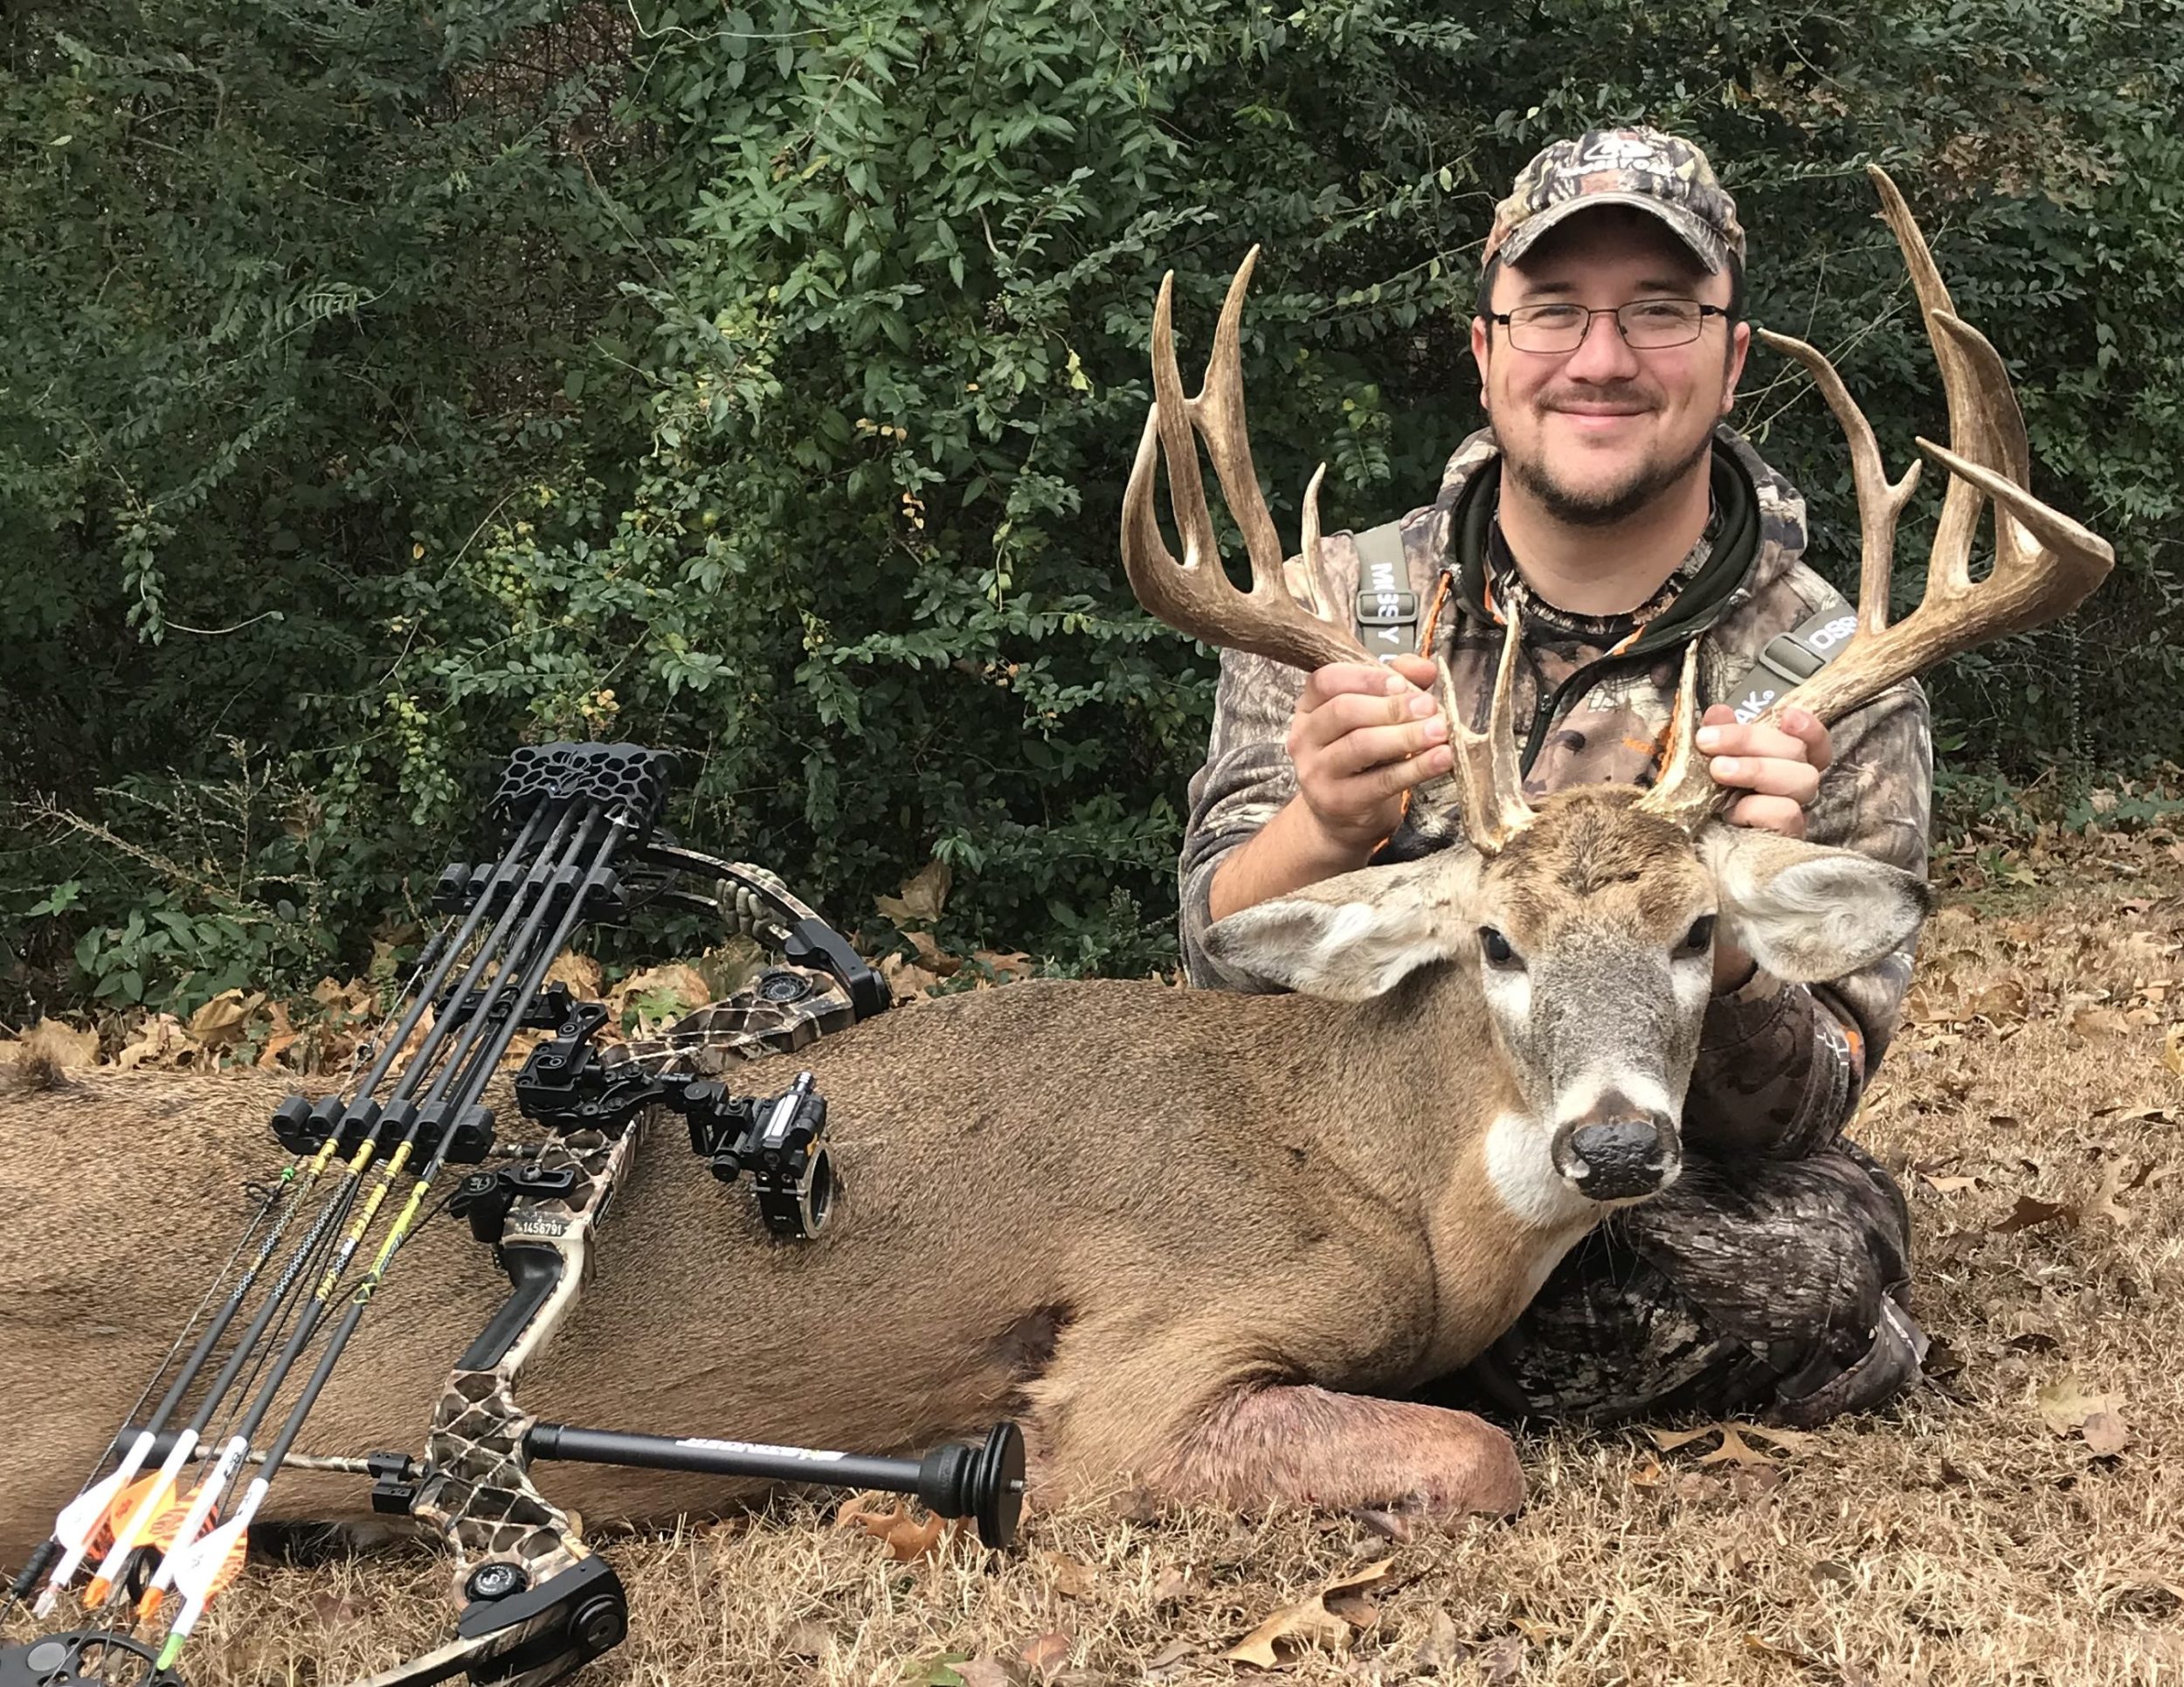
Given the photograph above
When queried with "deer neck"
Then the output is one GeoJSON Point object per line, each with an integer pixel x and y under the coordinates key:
{"type": "Point", "coordinates": [1447, 1133]}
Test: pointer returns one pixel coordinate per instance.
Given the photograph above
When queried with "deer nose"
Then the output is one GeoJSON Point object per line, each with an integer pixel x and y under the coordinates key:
{"type": "Point", "coordinates": [1616, 1158]}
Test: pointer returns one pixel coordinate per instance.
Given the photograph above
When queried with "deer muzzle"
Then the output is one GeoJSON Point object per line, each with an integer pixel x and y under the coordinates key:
{"type": "Point", "coordinates": [1617, 1152]}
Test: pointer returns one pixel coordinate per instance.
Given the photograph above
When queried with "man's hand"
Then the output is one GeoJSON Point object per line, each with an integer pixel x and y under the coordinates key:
{"type": "Point", "coordinates": [1362, 735]}
{"type": "Point", "coordinates": [1779, 765]}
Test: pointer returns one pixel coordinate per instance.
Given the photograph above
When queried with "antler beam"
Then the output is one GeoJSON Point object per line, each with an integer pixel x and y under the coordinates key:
{"type": "Point", "coordinates": [1287, 615]}
{"type": "Point", "coordinates": [2045, 564]}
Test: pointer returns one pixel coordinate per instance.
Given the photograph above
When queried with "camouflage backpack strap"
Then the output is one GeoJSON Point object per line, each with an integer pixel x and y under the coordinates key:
{"type": "Point", "coordinates": [1791, 658]}
{"type": "Point", "coordinates": [1387, 608]}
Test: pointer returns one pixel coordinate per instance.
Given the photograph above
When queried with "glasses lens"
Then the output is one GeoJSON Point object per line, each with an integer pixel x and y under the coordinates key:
{"type": "Point", "coordinates": [1548, 328]}
{"type": "Point", "coordinates": [1656, 322]}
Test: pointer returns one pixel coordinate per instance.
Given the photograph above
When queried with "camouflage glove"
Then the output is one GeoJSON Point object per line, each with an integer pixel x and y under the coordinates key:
{"type": "Point", "coordinates": [749, 914]}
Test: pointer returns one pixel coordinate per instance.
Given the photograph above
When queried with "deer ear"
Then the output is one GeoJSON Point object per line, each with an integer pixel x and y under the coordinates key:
{"type": "Point", "coordinates": [1806, 912]}
{"type": "Point", "coordinates": [1356, 936]}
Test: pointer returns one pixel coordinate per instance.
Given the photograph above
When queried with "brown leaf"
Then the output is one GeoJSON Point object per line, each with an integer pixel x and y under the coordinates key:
{"type": "Point", "coordinates": [1948, 1186]}
{"type": "Point", "coordinates": [932, 955]}
{"type": "Point", "coordinates": [63, 1046]}
{"type": "Point", "coordinates": [2116, 1178]}
{"type": "Point", "coordinates": [2105, 1432]}
{"type": "Point", "coordinates": [1307, 1623]}
{"type": "Point", "coordinates": [1504, 1662]}
{"type": "Point", "coordinates": [906, 982]}
{"type": "Point", "coordinates": [220, 1021]}
{"type": "Point", "coordinates": [580, 972]}
{"type": "Point", "coordinates": [1790, 1440]}
{"type": "Point", "coordinates": [2030, 1211]}
{"type": "Point", "coordinates": [1175, 1652]}
{"type": "Point", "coordinates": [1669, 1440]}
{"type": "Point", "coordinates": [159, 1041]}
{"type": "Point", "coordinates": [334, 1609]}
{"type": "Point", "coordinates": [805, 1639]}
{"type": "Point", "coordinates": [2001, 1003]}
{"type": "Point", "coordinates": [1071, 1579]}
{"type": "Point", "coordinates": [2098, 1024]}
{"type": "Point", "coordinates": [1173, 1585]}
{"type": "Point", "coordinates": [661, 994]}
{"type": "Point", "coordinates": [1046, 1653]}
{"type": "Point", "coordinates": [1011, 964]}
{"type": "Point", "coordinates": [993, 1672]}
{"type": "Point", "coordinates": [923, 895]}
{"type": "Point", "coordinates": [2065, 1405]}
{"type": "Point", "coordinates": [910, 1540]}
{"type": "Point", "coordinates": [1441, 1649]}
{"type": "Point", "coordinates": [278, 1039]}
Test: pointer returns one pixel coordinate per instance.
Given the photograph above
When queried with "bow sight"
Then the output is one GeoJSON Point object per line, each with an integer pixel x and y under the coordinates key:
{"type": "Point", "coordinates": [163, 1528]}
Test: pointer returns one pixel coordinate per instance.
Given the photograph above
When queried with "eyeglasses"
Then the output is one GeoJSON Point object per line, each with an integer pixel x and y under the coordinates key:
{"type": "Point", "coordinates": [1646, 324]}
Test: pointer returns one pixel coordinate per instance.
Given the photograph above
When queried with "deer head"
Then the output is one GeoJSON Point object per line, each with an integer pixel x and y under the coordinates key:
{"type": "Point", "coordinates": [1583, 930]}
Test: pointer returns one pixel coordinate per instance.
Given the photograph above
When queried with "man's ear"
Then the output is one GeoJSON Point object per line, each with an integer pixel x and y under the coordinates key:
{"type": "Point", "coordinates": [1356, 936]}
{"type": "Point", "coordinates": [1806, 912]}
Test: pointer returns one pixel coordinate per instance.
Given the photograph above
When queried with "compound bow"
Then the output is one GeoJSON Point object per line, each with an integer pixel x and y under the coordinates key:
{"type": "Point", "coordinates": [537, 1602]}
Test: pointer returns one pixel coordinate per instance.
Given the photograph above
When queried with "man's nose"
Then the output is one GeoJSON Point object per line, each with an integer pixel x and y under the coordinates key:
{"type": "Point", "coordinates": [1603, 355]}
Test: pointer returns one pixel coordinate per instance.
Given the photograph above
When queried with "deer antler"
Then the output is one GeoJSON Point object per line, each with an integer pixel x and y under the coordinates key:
{"type": "Point", "coordinates": [1294, 626]}
{"type": "Point", "coordinates": [2045, 564]}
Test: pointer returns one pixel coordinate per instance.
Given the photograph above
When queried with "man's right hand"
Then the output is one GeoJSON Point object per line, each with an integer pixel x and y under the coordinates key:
{"type": "Point", "coordinates": [1364, 734]}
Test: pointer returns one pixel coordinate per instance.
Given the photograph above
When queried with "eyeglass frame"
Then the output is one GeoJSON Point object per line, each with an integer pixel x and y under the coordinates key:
{"type": "Point", "coordinates": [1616, 311]}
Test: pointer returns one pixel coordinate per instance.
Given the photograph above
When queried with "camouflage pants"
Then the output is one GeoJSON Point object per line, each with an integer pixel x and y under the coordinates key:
{"type": "Point", "coordinates": [1750, 1285]}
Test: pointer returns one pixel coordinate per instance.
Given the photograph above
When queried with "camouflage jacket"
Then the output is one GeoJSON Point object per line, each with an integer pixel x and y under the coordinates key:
{"type": "Point", "coordinates": [1780, 1065]}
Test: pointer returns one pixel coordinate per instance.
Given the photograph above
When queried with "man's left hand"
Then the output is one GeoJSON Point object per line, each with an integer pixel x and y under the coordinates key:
{"type": "Point", "coordinates": [1779, 766]}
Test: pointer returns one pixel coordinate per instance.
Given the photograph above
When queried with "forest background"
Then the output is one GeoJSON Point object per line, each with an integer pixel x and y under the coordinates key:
{"type": "Point", "coordinates": [382, 386]}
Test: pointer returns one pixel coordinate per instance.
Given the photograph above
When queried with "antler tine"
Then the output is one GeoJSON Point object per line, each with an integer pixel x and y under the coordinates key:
{"type": "Point", "coordinates": [1489, 783]}
{"type": "Point", "coordinates": [1195, 596]}
{"type": "Point", "coordinates": [2045, 564]}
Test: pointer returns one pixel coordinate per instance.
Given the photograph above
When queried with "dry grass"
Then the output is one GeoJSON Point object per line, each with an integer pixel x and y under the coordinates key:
{"type": "Point", "coordinates": [1959, 1539]}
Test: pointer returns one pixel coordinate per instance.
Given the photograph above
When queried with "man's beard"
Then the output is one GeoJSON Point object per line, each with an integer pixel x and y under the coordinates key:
{"type": "Point", "coordinates": [1609, 505]}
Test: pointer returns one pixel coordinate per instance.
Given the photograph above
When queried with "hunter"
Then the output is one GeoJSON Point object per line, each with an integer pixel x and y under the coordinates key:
{"type": "Point", "coordinates": [1609, 505]}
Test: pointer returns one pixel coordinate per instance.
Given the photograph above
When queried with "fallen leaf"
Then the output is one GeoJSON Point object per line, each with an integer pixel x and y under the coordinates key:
{"type": "Point", "coordinates": [942, 1672]}
{"type": "Point", "coordinates": [279, 1037]}
{"type": "Point", "coordinates": [220, 1021]}
{"type": "Point", "coordinates": [1046, 1652]}
{"type": "Point", "coordinates": [993, 1672]}
{"type": "Point", "coordinates": [923, 895]}
{"type": "Point", "coordinates": [2116, 1180]}
{"type": "Point", "coordinates": [1175, 1652]}
{"type": "Point", "coordinates": [906, 1538]}
{"type": "Point", "coordinates": [1948, 1186]}
{"type": "Point", "coordinates": [1173, 1585]}
{"type": "Point", "coordinates": [159, 1041]}
{"type": "Point", "coordinates": [1441, 1649]}
{"type": "Point", "coordinates": [1503, 1662]}
{"type": "Point", "coordinates": [932, 956]}
{"type": "Point", "coordinates": [2031, 1211]}
{"type": "Point", "coordinates": [1013, 964]}
{"type": "Point", "coordinates": [2105, 1432]}
{"type": "Point", "coordinates": [660, 994]}
{"type": "Point", "coordinates": [905, 981]}
{"type": "Point", "coordinates": [1790, 1440]}
{"type": "Point", "coordinates": [2098, 1024]}
{"type": "Point", "coordinates": [1669, 1440]}
{"type": "Point", "coordinates": [1307, 1623]}
{"type": "Point", "coordinates": [1071, 1580]}
{"type": "Point", "coordinates": [334, 1609]}
{"type": "Point", "coordinates": [63, 1046]}
{"type": "Point", "coordinates": [2064, 1405]}
{"type": "Point", "coordinates": [2001, 1002]}
{"type": "Point", "coordinates": [580, 972]}
{"type": "Point", "coordinates": [806, 1639]}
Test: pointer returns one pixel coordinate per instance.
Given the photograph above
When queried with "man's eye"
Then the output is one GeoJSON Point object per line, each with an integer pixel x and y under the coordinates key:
{"type": "Point", "coordinates": [1662, 311]}
{"type": "Point", "coordinates": [1550, 315]}
{"type": "Point", "coordinates": [1494, 947]}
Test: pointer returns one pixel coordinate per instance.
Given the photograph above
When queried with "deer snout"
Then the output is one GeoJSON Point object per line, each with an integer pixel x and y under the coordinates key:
{"type": "Point", "coordinates": [1618, 1151]}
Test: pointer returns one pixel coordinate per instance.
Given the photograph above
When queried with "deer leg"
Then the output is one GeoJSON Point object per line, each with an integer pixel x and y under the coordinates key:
{"type": "Point", "coordinates": [1340, 1452]}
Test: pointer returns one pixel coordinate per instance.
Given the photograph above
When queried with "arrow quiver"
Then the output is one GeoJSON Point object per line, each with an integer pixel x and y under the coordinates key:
{"type": "Point", "coordinates": [536, 1601]}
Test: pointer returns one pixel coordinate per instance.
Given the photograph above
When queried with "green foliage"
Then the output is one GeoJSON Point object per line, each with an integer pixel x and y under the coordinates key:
{"type": "Point", "coordinates": [384, 389]}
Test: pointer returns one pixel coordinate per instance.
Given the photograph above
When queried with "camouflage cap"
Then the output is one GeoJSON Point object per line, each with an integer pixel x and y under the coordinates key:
{"type": "Point", "coordinates": [1639, 167]}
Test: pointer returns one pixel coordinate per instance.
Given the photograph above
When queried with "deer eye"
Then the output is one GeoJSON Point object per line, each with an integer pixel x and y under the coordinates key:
{"type": "Point", "coordinates": [1494, 947]}
{"type": "Point", "coordinates": [1701, 935]}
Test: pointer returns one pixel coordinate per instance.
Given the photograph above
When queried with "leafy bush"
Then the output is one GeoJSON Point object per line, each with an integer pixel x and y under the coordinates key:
{"type": "Point", "coordinates": [762, 382]}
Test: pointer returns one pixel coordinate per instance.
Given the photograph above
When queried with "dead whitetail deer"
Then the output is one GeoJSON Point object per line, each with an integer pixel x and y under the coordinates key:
{"type": "Point", "coordinates": [1191, 1238]}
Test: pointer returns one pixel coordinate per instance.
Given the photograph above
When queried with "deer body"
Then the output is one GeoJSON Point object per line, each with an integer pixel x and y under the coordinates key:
{"type": "Point", "coordinates": [1184, 1234]}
